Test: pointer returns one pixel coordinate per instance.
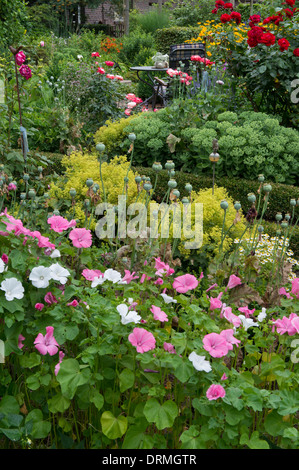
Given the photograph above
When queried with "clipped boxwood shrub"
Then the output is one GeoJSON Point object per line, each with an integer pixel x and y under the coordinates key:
{"type": "Point", "coordinates": [174, 35]}
{"type": "Point", "coordinates": [237, 188]}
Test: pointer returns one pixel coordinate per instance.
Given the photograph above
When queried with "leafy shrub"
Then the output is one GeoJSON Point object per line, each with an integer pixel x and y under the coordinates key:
{"type": "Point", "coordinates": [81, 166]}
{"type": "Point", "coordinates": [133, 43]}
{"type": "Point", "coordinates": [249, 144]}
{"type": "Point", "coordinates": [152, 20]}
{"type": "Point", "coordinates": [113, 133]}
{"type": "Point", "coordinates": [189, 13]}
{"type": "Point", "coordinates": [174, 35]}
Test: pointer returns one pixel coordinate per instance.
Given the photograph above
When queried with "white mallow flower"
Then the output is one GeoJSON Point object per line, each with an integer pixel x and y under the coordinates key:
{"type": "Point", "coordinates": [13, 288]}
{"type": "Point", "coordinates": [59, 273]}
{"type": "Point", "coordinates": [262, 315]}
{"type": "Point", "coordinates": [127, 316]}
{"type": "Point", "coordinates": [168, 299]}
{"type": "Point", "coordinates": [55, 254]}
{"type": "Point", "coordinates": [2, 266]}
{"type": "Point", "coordinates": [199, 362]}
{"type": "Point", "coordinates": [40, 277]}
{"type": "Point", "coordinates": [98, 281]}
{"type": "Point", "coordinates": [247, 322]}
{"type": "Point", "coordinates": [112, 275]}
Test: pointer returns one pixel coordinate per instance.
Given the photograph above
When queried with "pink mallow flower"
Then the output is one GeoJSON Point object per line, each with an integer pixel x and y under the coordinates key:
{"type": "Point", "coordinates": [81, 237]}
{"type": "Point", "coordinates": [168, 347]}
{"type": "Point", "coordinates": [109, 63]}
{"type": "Point", "coordinates": [295, 287]}
{"type": "Point", "coordinates": [74, 303]}
{"type": "Point", "coordinates": [224, 377]}
{"type": "Point", "coordinates": [282, 291]}
{"type": "Point", "coordinates": [39, 306]}
{"type": "Point", "coordinates": [231, 317]}
{"type": "Point", "coordinates": [216, 302]}
{"type": "Point", "coordinates": [90, 274]}
{"type": "Point", "coordinates": [159, 314]}
{"type": "Point", "coordinates": [183, 284]}
{"type": "Point", "coordinates": [162, 268]}
{"type": "Point", "coordinates": [285, 325]}
{"type": "Point", "coordinates": [57, 367]}
{"type": "Point", "coordinates": [246, 311]}
{"type": "Point", "coordinates": [50, 298]}
{"type": "Point", "coordinates": [228, 335]}
{"type": "Point", "coordinates": [128, 277]}
{"type": "Point", "coordinates": [46, 344]}
{"type": "Point", "coordinates": [216, 345]}
{"type": "Point", "coordinates": [60, 224]}
{"type": "Point", "coordinates": [4, 258]}
{"type": "Point", "coordinates": [215, 391]}
{"type": "Point", "coordinates": [20, 339]}
{"type": "Point", "coordinates": [142, 339]}
{"type": "Point", "coordinates": [233, 282]}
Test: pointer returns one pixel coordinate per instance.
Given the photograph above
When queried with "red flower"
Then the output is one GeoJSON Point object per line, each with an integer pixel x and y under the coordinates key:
{"type": "Point", "coordinates": [254, 19]}
{"type": "Point", "coordinates": [283, 44]}
{"type": "Point", "coordinates": [225, 18]}
{"type": "Point", "coordinates": [289, 13]}
{"type": "Point", "coordinates": [268, 39]}
{"type": "Point", "coordinates": [254, 35]}
{"type": "Point", "coordinates": [25, 71]}
{"type": "Point", "coordinates": [228, 6]}
{"type": "Point", "coordinates": [236, 16]}
{"type": "Point", "coordinates": [219, 4]}
{"type": "Point", "coordinates": [95, 54]}
{"type": "Point", "coordinates": [290, 2]}
{"type": "Point", "coordinates": [296, 52]}
{"type": "Point", "coordinates": [215, 11]}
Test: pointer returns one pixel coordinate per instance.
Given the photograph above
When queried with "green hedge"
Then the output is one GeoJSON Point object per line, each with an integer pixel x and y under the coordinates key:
{"type": "Point", "coordinates": [175, 35]}
{"type": "Point", "coordinates": [237, 188]}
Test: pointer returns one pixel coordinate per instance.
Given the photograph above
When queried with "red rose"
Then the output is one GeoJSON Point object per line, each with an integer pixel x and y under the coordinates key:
{"type": "Point", "coordinates": [283, 44]}
{"type": "Point", "coordinates": [215, 11]}
{"type": "Point", "coordinates": [289, 13]}
{"type": "Point", "coordinates": [236, 16]}
{"type": "Point", "coordinates": [254, 35]}
{"type": "Point", "coordinates": [268, 39]}
{"type": "Point", "coordinates": [219, 4]}
{"type": "Point", "coordinates": [228, 6]}
{"type": "Point", "coordinates": [296, 52]}
{"type": "Point", "coordinates": [225, 18]}
{"type": "Point", "coordinates": [290, 2]}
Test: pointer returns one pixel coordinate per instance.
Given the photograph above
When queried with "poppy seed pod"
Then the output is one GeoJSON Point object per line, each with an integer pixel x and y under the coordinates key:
{"type": "Point", "coordinates": [284, 224]}
{"type": "Point", "coordinates": [293, 202]}
{"type": "Point", "coordinates": [89, 182]}
{"type": "Point", "coordinates": [224, 205]}
{"type": "Point", "coordinates": [237, 205]}
{"type": "Point", "coordinates": [267, 188]}
{"type": "Point", "coordinates": [278, 216]}
{"type": "Point", "coordinates": [157, 166]}
{"type": "Point", "coordinates": [26, 177]}
{"type": "Point", "coordinates": [188, 187]}
{"type": "Point", "coordinates": [31, 193]}
{"type": "Point", "coordinates": [251, 197]}
{"type": "Point", "coordinates": [176, 193]}
{"type": "Point", "coordinates": [100, 147]}
{"type": "Point", "coordinates": [172, 184]}
{"type": "Point", "coordinates": [185, 200]}
{"type": "Point", "coordinates": [169, 165]}
{"type": "Point", "coordinates": [260, 228]}
{"type": "Point", "coordinates": [261, 178]}
{"type": "Point", "coordinates": [73, 192]}
{"type": "Point", "coordinates": [138, 179]}
{"type": "Point", "coordinates": [132, 137]}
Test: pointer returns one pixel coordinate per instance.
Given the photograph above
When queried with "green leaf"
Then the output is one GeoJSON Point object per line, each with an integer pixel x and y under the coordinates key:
{"type": "Point", "coordinates": [274, 425]}
{"type": "Point", "coordinates": [41, 428]}
{"type": "Point", "coordinates": [33, 382]}
{"type": "Point", "coordinates": [190, 439]}
{"type": "Point", "coordinates": [12, 434]}
{"type": "Point", "coordinates": [162, 415]}
{"type": "Point", "coordinates": [254, 442]}
{"type": "Point", "coordinates": [9, 404]}
{"type": "Point", "coordinates": [58, 404]}
{"type": "Point", "coordinates": [70, 377]}
{"type": "Point", "coordinates": [113, 427]}
{"type": "Point", "coordinates": [126, 380]}
{"type": "Point", "coordinates": [30, 361]}
{"type": "Point", "coordinates": [97, 399]}
{"type": "Point", "coordinates": [289, 402]}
